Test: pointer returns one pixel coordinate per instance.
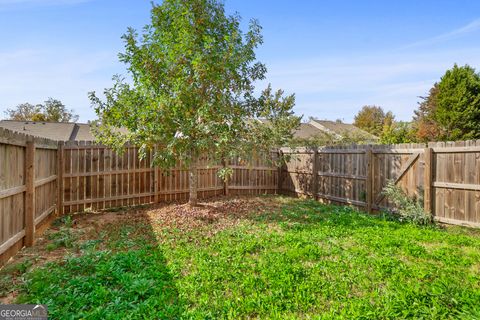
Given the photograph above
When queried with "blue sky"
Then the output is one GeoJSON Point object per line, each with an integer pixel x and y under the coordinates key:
{"type": "Point", "coordinates": [336, 56]}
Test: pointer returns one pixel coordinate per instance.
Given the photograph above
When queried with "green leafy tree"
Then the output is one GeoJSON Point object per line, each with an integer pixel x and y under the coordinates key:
{"type": "Point", "coordinates": [397, 132]}
{"type": "Point", "coordinates": [55, 111]}
{"type": "Point", "coordinates": [276, 126]}
{"type": "Point", "coordinates": [425, 126]}
{"type": "Point", "coordinates": [192, 89]}
{"type": "Point", "coordinates": [372, 119]}
{"type": "Point", "coordinates": [52, 110]}
{"type": "Point", "coordinates": [458, 104]}
{"type": "Point", "coordinates": [324, 139]}
{"type": "Point", "coordinates": [25, 112]}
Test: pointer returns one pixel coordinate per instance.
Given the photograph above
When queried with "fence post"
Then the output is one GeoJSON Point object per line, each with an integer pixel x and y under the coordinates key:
{"type": "Point", "coordinates": [369, 181]}
{"type": "Point", "coordinates": [280, 172]}
{"type": "Point", "coordinates": [225, 178]}
{"type": "Point", "coordinates": [60, 167]}
{"type": "Point", "coordinates": [30, 193]}
{"type": "Point", "coordinates": [427, 182]}
{"type": "Point", "coordinates": [156, 196]}
{"type": "Point", "coordinates": [315, 174]}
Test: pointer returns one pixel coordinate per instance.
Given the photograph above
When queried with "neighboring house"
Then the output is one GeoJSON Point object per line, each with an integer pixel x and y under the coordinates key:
{"type": "Point", "coordinates": [342, 130]}
{"type": "Point", "coordinates": [308, 131]}
{"type": "Point", "coordinates": [323, 131]}
{"type": "Point", "coordinates": [59, 131]}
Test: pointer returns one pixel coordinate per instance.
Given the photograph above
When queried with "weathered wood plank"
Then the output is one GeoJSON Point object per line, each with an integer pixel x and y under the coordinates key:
{"type": "Point", "coordinates": [12, 191]}
{"type": "Point", "coordinates": [10, 242]}
{"type": "Point", "coordinates": [60, 178]}
{"type": "Point", "coordinates": [454, 149]}
{"type": "Point", "coordinates": [404, 170]}
{"type": "Point", "coordinates": [342, 176]}
{"type": "Point", "coordinates": [45, 214]}
{"type": "Point", "coordinates": [369, 181]}
{"type": "Point", "coordinates": [459, 186]}
{"type": "Point", "coordinates": [458, 222]}
{"type": "Point", "coordinates": [268, 187]}
{"type": "Point", "coordinates": [342, 200]}
{"type": "Point", "coordinates": [44, 181]}
{"type": "Point", "coordinates": [428, 178]}
{"type": "Point", "coordinates": [30, 193]}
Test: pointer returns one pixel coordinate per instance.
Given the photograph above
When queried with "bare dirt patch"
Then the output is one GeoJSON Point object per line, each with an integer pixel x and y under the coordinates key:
{"type": "Point", "coordinates": [217, 214]}
{"type": "Point", "coordinates": [214, 214]}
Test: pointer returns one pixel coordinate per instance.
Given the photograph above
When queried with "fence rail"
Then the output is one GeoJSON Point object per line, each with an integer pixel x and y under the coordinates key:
{"type": "Point", "coordinates": [41, 179]}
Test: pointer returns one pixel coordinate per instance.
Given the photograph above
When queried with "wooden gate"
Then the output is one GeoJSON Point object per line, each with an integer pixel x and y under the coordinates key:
{"type": "Point", "coordinates": [404, 165]}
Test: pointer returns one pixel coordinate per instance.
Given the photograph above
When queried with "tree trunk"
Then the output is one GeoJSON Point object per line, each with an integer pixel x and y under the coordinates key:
{"type": "Point", "coordinates": [193, 179]}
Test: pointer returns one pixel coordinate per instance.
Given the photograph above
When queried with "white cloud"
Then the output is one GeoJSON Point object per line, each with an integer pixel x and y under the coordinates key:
{"type": "Point", "coordinates": [456, 33]}
{"type": "Point", "coordinates": [325, 87]}
{"type": "Point", "coordinates": [339, 87]}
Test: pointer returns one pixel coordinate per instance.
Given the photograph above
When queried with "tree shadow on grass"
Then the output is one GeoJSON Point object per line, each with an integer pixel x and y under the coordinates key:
{"type": "Point", "coordinates": [116, 270]}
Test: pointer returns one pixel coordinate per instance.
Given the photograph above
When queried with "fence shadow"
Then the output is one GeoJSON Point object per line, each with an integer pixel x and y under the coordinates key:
{"type": "Point", "coordinates": [119, 268]}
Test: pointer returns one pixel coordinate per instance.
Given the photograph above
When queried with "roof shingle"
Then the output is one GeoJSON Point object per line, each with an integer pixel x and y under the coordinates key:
{"type": "Point", "coordinates": [59, 131]}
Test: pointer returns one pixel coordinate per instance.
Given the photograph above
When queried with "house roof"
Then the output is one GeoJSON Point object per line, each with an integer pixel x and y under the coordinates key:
{"type": "Point", "coordinates": [325, 129]}
{"type": "Point", "coordinates": [308, 131]}
{"type": "Point", "coordinates": [305, 131]}
{"type": "Point", "coordinates": [59, 131]}
{"type": "Point", "coordinates": [342, 129]}
{"type": "Point", "coordinates": [84, 133]}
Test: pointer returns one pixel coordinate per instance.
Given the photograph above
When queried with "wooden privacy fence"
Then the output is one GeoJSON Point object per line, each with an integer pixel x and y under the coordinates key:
{"type": "Point", "coordinates": [445, 175]}
{"type": "Point", "coordinates": [96, 177]}
{"type": "Point", "coordinates": [41, 179]}
{"type": "Point", "coordinates": [455, 181]}
{"type": "Point", "coordinates": [28, 189]}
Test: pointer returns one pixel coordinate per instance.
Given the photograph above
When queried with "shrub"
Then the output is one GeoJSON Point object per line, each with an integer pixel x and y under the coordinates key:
{"type": "Point", "coordinates": [65, 237]}
{"type": "Point", "coordinates": [406, 208]}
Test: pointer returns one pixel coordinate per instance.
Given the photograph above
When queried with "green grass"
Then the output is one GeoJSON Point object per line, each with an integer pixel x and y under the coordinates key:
{"type": "Point", "coordinates": [304, 260]}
